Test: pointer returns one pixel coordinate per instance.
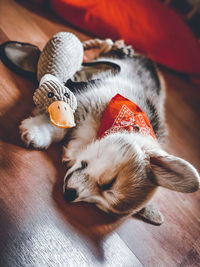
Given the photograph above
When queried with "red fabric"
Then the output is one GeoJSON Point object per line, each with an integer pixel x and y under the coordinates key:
{"type": "Point", "coordinates": [150, 26]}
{"type": "Point", "coordinates": [122, 114]}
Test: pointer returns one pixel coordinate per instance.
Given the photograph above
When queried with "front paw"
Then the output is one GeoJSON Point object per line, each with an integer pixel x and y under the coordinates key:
{"type": "Point", "coordinates": [34, 135]}
{"type": "Point", "coordinates": [68, 157]}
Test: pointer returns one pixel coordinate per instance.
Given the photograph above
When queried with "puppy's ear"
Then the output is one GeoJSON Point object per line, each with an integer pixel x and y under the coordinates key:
{"type": "Point", "coordinates": [151, 215]}
{"type": "Point", "coordinates": [174, 173]}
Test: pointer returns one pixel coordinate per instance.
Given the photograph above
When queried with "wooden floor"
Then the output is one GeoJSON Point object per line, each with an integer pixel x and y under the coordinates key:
{"type": "Point", "coordinates": [37, 228]}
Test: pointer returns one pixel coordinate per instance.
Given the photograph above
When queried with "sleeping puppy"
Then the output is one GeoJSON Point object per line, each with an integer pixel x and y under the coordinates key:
{"type": "Point", "coordinates": [121, 171]}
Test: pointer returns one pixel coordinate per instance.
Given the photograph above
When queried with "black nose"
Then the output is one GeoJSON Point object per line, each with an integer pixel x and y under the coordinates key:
{"type": "Point", "coordinates": [70, 195]}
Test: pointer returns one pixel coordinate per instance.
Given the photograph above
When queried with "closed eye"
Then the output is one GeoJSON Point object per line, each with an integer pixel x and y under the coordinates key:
{"type": "Point", "coordinates": [84, 164]}
{"type": "Point", "coordinates": [107, 186]}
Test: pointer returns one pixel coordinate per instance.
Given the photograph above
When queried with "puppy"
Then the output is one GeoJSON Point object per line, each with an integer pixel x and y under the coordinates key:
{"type": "Point", "coordinates": [120, 172]}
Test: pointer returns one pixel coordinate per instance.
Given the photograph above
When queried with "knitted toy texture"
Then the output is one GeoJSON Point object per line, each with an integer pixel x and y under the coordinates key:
{"type": "Point", "coordinates": [60, 59]}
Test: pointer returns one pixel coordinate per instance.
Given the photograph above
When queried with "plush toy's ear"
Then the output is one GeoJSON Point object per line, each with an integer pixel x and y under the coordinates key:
{"type": "Point", "coordinates": [151, 215]}
{"type": "Point", "coordinates": [174, 173]}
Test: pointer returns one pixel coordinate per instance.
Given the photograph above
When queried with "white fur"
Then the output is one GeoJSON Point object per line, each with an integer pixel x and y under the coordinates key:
{"type": "Point", "coordinates": [39, 132]}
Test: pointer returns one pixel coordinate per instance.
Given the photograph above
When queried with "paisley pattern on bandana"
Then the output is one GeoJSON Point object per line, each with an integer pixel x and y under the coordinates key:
{"type": "Point", "coordinates": [122, 114]}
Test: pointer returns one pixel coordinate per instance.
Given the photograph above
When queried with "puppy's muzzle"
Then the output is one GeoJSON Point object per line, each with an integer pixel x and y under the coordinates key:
{"type": "Point", "coordinates": [70, 195]}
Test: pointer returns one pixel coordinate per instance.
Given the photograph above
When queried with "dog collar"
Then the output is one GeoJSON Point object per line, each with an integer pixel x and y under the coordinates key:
{"type": "Point", "coordinates": [122, 114]}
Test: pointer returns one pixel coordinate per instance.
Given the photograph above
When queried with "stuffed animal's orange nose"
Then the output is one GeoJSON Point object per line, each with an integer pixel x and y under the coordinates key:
{"type": "Point", "coordinates": [61, 114]}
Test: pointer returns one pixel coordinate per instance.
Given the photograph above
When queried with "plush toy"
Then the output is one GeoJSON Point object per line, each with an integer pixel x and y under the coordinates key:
{"type": "Point", "coordinates": [59, 60]}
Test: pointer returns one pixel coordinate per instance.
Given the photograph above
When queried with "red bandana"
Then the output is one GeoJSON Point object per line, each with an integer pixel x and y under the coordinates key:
{"type": "Point", "coordinates": [122, 114]}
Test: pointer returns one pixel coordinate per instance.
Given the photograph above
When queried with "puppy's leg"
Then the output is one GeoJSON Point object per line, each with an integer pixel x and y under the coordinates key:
{"type": "Point", "coordinates": [80, 138]}
{"type": "Point", "coordinates": [151, 214]}
{"type": "Point", "coordinates": [71, 150]}
{"type": "Point", "coordinates": [39, 132]}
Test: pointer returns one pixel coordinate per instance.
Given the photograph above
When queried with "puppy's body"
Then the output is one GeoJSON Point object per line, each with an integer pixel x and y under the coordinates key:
{"type": "Point", "coordinates": [120, 172]}
{"type": "Point", "coordinates": [137, 81]}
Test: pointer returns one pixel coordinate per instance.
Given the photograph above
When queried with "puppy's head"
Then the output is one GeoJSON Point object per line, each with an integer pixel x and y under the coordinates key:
{"type": "Point", "coordinates": [121, 172]}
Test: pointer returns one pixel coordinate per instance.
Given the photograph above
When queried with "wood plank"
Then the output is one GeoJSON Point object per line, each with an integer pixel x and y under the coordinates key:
{"type": "Point", "coordinates": [39, 229]}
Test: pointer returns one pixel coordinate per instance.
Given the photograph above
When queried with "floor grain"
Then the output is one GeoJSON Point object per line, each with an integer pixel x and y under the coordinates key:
{"type": "Point", "coordinates": [37, 228]}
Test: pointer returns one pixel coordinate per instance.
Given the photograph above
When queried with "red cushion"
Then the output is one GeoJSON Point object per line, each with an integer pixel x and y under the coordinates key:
{"type": "Point", "coordinates": [150, 26]}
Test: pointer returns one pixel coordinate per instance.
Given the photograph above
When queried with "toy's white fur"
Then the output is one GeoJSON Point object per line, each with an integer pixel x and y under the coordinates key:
{"type": "Point", "coordinates": [132, 164]}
